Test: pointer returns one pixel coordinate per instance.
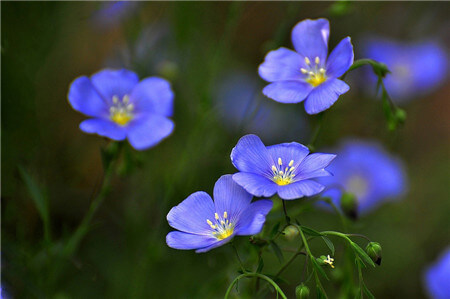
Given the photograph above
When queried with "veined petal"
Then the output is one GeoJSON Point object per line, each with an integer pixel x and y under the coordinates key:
{"type": "Point", "coordinates": [215, 245]}
{"type": "Point", "coordinates": [149, 130]}
{"type": "Point", "coordinates": [288, 91]}
{"type": "Point", "coordinates": [250, 155]}
{"type": "Point", "coordinates": [191, 214]}
{"type": "Point", "coordinates": [111, 83]}
{"type": "Point", "coordinates": [230, 197]}
{"type": "Point", "coordinates": [324, 95]}
{"type": "Point", "coordinates": [186, 241]}
{"type": "Point", "coordinates": [255, 184]}
{"type": "Point", "coordinates": [281, 64]}
{"type": "Point", "coordinates": [253, 218]}
{"type": "Point", "coordinates": [310, 38]}
{"type": "Point", "coordinates": [84, 98]}
{"type": "Point", "coordinates": [299, 189]}
{"type": "Point", "coordinates": [288, 152]}
{"type": "Point", "coordinates": [103, 127]}
{"type": "Point", "coordinates": [340, 59]}
{"type": "Point", "coordinates": [313, 166]}
{"type": "Point", "coordinates": [153, 95]}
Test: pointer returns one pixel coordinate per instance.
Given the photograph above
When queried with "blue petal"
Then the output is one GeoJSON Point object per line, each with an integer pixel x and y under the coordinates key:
{"type": "Point", "coordinates": [281, 64]}
{"type": "Point", "coordinates": [340, 59]}
{"type": "Point", "coordinates": [84, 98]}
{"type": "Point", "coordinates": [191, 214]}
{"type": "Point", "coordinates": [288, 92]}
{"type": "Point", "coordinates": [313, 166]}
{"type": "Point", "coordinates": [250, 155]}
{"type": "Point", "coordinates": [287, 152]}
{"type": "Point", "coordinates": [103, 127]}
{"type": "Point", "coordinates": [299, 189]}
{"type": "Point", "coordinates": [149, 130]}
{"type": "Point", "coordinates": [324, 95]}
{"type": "Point", "coordinates": [253, 218]}
{"type": "Point", "coordinates": [255, 184]}
{"type": "Point", "coordinates": [215, 245]}
{"type": "Point", "coordinates": [111, 83]}
{"type": "Point", "coordinates": [310, 38]}
{"type": "Point", "coordinates": [185, 241]}
{"type": "Point", "coordinates": [230, 197]}
{"type": "Point", "coordinates": [153, 95]}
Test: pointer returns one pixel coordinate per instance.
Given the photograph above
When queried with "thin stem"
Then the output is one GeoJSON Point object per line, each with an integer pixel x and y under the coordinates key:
{"type": "Point", "coordinates": [359, 235]}
{"type": "Point", "coordinates": [262, 276]}
{"type": "Point", "coordinates": [316, 131]}
{"type": "Point", "coordinates": [290, 261]}
{"type": "Point", "coordinates": [237, 255]}
{"type": "Point", "coordinates": [341, 216]}
{"type": "Point", "coordinates": [337, 234]}
{"type": "Point", "coordinates": [288, 219]}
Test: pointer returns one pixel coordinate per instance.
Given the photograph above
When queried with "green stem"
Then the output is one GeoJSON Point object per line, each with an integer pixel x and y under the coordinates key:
{"type": "Point", "coordinates": [290, 261]}
{"type": "Point", "coordinates": [341, 216]}
{"type": "Point", "coordinates": [237, 255]}
{"type": "Point", "coordinates": [316, 131]}
{"type": "Point", "coordinates": [262, 276]}
{"type": "Point", "coordinates": [288, 219]}
{"type": "Point", "coordinates": [337, 234]}
{"type": "Point", "coordinates": [83, 228]}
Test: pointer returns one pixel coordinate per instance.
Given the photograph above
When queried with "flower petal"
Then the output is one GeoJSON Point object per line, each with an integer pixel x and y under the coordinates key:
{"type": "Point", "coordinates": [255, 184]}
{"type": "Point", "coordinates": [103, 127]}
{"type": "Point", "coordinates": [111, 83]}
{"type": "Point", "coordinates": [313, 166]}
{"type": "Point", "coordinates": [185, 241]}
{"type": "Point", "coordinates": [215, 245]}
{"type": "Point", "coordinates": [191, 214]}
{"type": "Point", "coordinates": [299, 189]}
{"type": "Point", "coordinates": [310, 38]}
{"type": "Point", "coordinates": [230, 197]}
{"type": "Point", "coordinates": [287, 152]}
{"type": "Point", "coordinates": [250, 155]}
{"type": "Point", "coordinates": [84, 98]}
{"type": "Point", "coordinates": [281, 64]}
{"type": "Point", "coordinates": [324, 95]}
{"type": "Point", "coordinates": [153, 95]}
{"type": "Point", "coordinates": [340, 59]}
{"type": "Point", "coordinates": [288, 92]}
{"type": "Point", "coordinates": [149, 130]}
{"type": "Point", "coordinates": [253, 218]}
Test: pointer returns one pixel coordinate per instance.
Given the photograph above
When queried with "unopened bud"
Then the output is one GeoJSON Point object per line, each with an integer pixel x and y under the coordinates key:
{"type": "Point", "coordinates": [301, 291]}
{"type": "Point", "coordinates": [373, 250]}
{"type": "Point", "coordinates": [349, 205]}
{"type": "Point", "coordinates": [291, 232]}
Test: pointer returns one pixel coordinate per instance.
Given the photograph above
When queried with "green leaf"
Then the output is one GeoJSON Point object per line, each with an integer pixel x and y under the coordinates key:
{"type": "Point", "coordinates": [367, 292]}
{"type": "Point", "coordinates": [329, 244]}
{"type": "Point", "coordinates": [36, 193]}
{"type": "Point", "coordinates": [310, 231]}
{"type": "Point", "coordinates": [362, 254]}
{"type": "Point", "coordinates": [277, 251]}
{"type": "Point", "coordinates": [318, 268]}
{"type": "Point", "coordinates": [275, 230]}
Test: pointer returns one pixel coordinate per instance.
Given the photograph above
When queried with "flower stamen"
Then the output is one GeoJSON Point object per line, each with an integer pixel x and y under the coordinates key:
{"type": "Point", "coordinates": [329, 260]}
{"type": "Point", "coordinates": [283, 177]}
{"type": "Point", "coordinates": [121, 112]}
{"type": "Point", "coordinates": [222, 228]}
{"type": "Point", "coordinates": [314, 74]}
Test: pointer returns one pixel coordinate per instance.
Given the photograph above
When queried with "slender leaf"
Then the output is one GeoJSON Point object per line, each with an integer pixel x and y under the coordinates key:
{"type": "Point", "coordinates": [329, 244]}
{"type": "Point", "coordinates": [37, 194]}
{"type": "Point", "coordinates": [362, 254]}
{"type": "Point", "coordinates": [367, 292]}
{"type": "Point", "coordinates": [277, 251]}
{"type": "Point", "coordinates": [318, 268]}
{"type": "Point", "coordinates": [310, 231]}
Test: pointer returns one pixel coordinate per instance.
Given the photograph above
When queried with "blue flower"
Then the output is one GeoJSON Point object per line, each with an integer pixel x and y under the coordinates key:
{"type": "Point", "coordinates": [416, 68]}
{"type": "Point", "coordinates": [111, 13]}
{"type": "Point", "coordinates": [366, 170]}
{"type": "Point", "coordinates": [307, 73]}
{"type": "Point", "coordinates": [122, 107]}
{"type": "Point", "coordinates": [204, 224]}
{"type": "Point", "coordinates": [286, 168]}
{"type": "Point", "coordinates": [437, 277]}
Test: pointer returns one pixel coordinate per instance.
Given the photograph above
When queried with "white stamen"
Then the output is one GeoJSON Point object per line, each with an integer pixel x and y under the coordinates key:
{"type": "Point", "coordinates": [280, 162]}
{"type": "Point", "coordinates": [308, 62]}
{"type": "Point", "coordinates": [303, 71]}
{"type": "Point", "coordinates": [317, 60]}
{"type": "Point", "coordinates": [291, 163]}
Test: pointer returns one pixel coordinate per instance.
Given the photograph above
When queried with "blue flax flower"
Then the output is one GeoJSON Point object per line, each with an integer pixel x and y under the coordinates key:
{"type": "Point", "coordinates": [308, 73]}
{"type": "Point", "coordinates": [366, 170]}
{"type": "Point", "coordinates": [204, 224]}
{"type": "Point", "coordinates": [416, 68]}
{"type": "Point", "coordinates": [437, 277]}
{"type": "Point", "coordinates": [122, 107]}
{"type": "Point", "coordinates": [286, 168]}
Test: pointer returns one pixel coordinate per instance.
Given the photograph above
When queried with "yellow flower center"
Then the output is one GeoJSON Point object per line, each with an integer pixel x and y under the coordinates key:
{"type": "Point", "coordinates": [222, 227]}
{"type": "Point", "coordinates": [315, 74]}
{"type": "Point", "coordinates": [283, 175]}
{"type": "Point", "coordinates": [329, 261]}
{"type": "Point", "coordinates": [121, 111]}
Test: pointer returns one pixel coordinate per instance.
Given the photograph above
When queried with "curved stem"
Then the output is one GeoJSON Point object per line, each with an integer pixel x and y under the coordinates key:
{"type": "Point", "coordinates": [237, 255]}
{"type": "Point", "coordinates": [290, 261]}
{"type": "Point", "coordinates": [262, 276]}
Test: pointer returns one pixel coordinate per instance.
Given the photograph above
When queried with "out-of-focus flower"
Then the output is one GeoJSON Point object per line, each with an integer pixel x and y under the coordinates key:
{"type": "Point", "coordinates": [416, 68]}
{"type": "Point", "coordinates": [367, 171]}
{"type": "Point", "coordinates": [242, 109]}
{"type": "Point", "coordinates": [437, 277]}
{"type": "Point", "coordinates": [113, 12]}
{"type": "Point", "coordinates": [307, 73]}
{"type": "Point", "coordinates": [286, 168]}
{"type": "Point", "coordinates": [122, 107]}
{"type": "Point", "coordinates": [203, 224]}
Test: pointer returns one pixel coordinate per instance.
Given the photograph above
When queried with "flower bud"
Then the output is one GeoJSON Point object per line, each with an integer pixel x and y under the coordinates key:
{"type": "Point", "coordinates": [349, 205]}
{"type": "Point", "coordinates": [373, 250]}
{"type": "Point", "coordinates": [291, 232]}
{"type": "Point", "coordinates": [301, 291]}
